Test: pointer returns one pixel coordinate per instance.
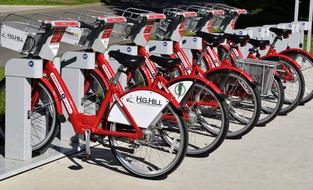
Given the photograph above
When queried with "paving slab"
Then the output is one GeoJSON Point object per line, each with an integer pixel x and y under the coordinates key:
{"type": "Point", "coordinates": [275, 157]}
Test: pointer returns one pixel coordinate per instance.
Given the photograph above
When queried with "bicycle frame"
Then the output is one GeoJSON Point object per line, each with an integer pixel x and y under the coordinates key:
{"type": "Point", "coordinates": [82, 122]}
{"type": "Point", "coordinates": [212, 59]}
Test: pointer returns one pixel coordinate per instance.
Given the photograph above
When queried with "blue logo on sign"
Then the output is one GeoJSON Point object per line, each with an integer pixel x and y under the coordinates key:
{"type": "Point", "coordinates": [240, 32]}
{"type": "Point", "coordinates": [165, 44]}
{"type": "Point", "coordinates": [289, 25]}
{"type": "Point", "coordinates": [259, 29]}
{"type": "Point", "coordinates": [194, 39]}
{"type": "Point", "coordinates": [129, 49]}
{"type": "Point", "coordinates": [85, 56]}
{"type": "Point", "coordinates": [31, 63]}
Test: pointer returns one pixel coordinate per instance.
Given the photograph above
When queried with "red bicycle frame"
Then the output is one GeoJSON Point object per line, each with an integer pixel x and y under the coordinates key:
{"type": "Point", "coordinates": [82, 122]}
{"type": "Point", "coordinates": [215, 65]}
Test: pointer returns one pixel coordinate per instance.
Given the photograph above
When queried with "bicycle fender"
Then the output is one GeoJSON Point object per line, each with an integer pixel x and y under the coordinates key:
{"type": "Point", "coordinates": [277, 57]}
{"type": "Point", "coordinates": [297, 51]}
{"type": "Point", "coordinates": [146, 74]}
{"type": "Point", "coordinates": [180, 86]}
{"type": "Point", "coordinates": [56, 98]}
{"type": "Point", "coordinates": [144, 106]}
{"type": "Point", "coordinates": [99, 73]}
{"type": "Point", "coordinates": [217, 70]}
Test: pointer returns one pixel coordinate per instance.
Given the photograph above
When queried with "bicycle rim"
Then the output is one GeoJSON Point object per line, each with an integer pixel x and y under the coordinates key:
{"type": "Point", "coordinates": [151, 156]}
{"type": "Point", "coordinates": [210, 123]}
{"type": "Point", "coordinates": [243, 101]}
{"type": "Point", "coordinates": [272, 103]}
{"type": "Point", "coordinates": [43, 118]}
{"type": "Point", "coordinates": [307, 72]}
{"type": "Point", "coordinates": [293, 88]}
{"type": "Point", "coordinates": [94, 93]}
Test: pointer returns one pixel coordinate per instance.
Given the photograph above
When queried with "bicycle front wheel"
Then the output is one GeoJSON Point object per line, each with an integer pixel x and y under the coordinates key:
{"type": "Point", "coordinates": [272, 103]}
{"type": "Point", "coordinates": [152, 156]}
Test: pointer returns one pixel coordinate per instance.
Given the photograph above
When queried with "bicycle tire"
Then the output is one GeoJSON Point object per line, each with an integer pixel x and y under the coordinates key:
{"type": "Point", "coordinates": [94, 93]}
{"type": "Point", "coordinates": [271, 114]}
{"type": "Point", "coordinates": [218, 138]}
{"type": "Point", "coordinates": [179, 153]}
{"type": "Point", "coordinates": [211, 126]}
{"type": "Point", "coordinates": [290, 105]}
{"type": "Point", "coordinates": [306, 63]}
{"type": "Point", "coordinates": [41, 147]}
{"type": "Point", "coordinates": [221, 79]}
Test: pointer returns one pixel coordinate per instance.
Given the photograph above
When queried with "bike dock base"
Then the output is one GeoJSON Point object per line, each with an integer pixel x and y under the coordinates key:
{"type": "Point", "coordinates": [59, 149]}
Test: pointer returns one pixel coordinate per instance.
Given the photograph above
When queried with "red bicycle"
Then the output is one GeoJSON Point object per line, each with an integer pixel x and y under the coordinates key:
{"type": "Point", "coordinates": [293, 85]}
{"type": "Point", "coordinates": [288, 71]}
{"type": "Point", "coordinates": [135, 122]}
{"type": "Point", "coordinates": [302, 59]}
{"type": "Point", "coordinates": [245, 108]}
{"type": "Point", "coordinates": [204, 106]}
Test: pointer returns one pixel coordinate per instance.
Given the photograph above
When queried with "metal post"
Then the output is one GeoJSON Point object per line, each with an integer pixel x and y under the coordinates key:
{"type": "Point", "coordinates": [296, 15]}
{"type": "Point", "coordinates": [308, 47]}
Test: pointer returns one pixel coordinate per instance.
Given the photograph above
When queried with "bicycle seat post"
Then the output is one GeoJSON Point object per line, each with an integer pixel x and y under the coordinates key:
{"type": "Point", "coordinates": [116, 78]}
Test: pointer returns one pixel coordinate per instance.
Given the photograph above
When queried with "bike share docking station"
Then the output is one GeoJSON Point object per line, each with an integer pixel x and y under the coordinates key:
{"type": "Point", "coordinates": [295, 40]}
{"type": "Point", "coordinates": [17, 156]}
{"type": "Point", "coordinates": [19, 73]}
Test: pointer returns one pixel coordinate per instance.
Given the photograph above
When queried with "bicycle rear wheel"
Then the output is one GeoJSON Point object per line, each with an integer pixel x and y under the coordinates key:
{"type": "Point", "coordinates": [151, 156]}
{"type": "Point", "coordinates": [306, 63]}
{"type": "Point", "coordinates": [244, 103]}
{"type": "Point", "coordinates": [293, 83]}
{"type": "Point", "coordinates": [2, 111]}
{"type": "Point", "coordinates": [43, 117]}
{"type": "Point", "coordinates": [94, 92]}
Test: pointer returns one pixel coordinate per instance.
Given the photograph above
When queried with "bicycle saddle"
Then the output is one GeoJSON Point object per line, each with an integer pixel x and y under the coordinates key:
{"type": "Point", "coordinates": [281, 32]}
{"type": "Point", "coordinates": [214, 39]}
{"type": "Point", "coordinates": [129, 61]}
{"type": "Point", "coordinates": [237, 39]}
{"type": "Point", "coordinates": [165, 62]}
{"type": "Point", "coordinates": [259, 43]}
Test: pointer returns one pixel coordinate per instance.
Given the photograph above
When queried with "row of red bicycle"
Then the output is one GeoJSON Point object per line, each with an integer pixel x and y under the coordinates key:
{"type": "Point", "coordinates": [183, 101]}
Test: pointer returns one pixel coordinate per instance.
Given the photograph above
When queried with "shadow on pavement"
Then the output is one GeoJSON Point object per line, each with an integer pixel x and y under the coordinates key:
{"type": "Point", "coordinates": [102, 157]}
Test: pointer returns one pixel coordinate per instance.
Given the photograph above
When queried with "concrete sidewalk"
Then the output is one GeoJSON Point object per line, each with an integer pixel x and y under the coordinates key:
{"type": "Point", "coordinates": [276, 157]}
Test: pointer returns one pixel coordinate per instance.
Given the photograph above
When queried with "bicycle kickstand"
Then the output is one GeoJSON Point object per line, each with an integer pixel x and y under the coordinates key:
{"type": "Point", "coordinates": [87, 155]}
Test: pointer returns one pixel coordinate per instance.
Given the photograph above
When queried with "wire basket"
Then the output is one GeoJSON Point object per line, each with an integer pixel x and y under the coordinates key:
{"type": "Point", "coordinates": [127, 30]}
{"type": "Point", "coordinates": [262, 71]}
{"type": "Point", "coordinates": [20, 33]}
{"type": "Point", "coordinates": [192, 24]}
{"type": "Point", "coordinates": [122, 30]}
{"type": "Point", "coordinates": [162, 29]}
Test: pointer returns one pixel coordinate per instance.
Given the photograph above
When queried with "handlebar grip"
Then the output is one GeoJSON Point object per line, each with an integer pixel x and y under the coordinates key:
{"type": "Point", "coordinates": [86, 25]}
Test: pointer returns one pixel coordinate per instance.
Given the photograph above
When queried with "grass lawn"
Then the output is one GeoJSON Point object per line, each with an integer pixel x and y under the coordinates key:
{"type": "Point", "coordinates": [2, 102]}
{"type": "Point", "coordinates": [46, 2]}
{"type": "Point", "coordinates": [305, 37]}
